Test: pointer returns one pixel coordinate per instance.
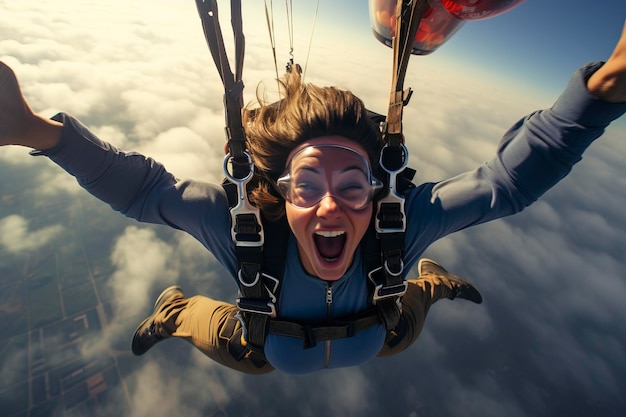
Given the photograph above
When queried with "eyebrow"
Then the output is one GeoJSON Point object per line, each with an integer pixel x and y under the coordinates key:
{"type": "Point", "coordinates": [351, 167]}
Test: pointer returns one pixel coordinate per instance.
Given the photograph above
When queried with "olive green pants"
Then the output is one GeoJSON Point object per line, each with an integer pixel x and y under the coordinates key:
{"type": "Point", "coordinates": [211, 325]}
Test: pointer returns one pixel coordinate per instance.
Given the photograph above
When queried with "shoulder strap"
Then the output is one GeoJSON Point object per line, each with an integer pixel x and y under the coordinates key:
{"type": "Point", "coordinates": [258, 298]}
{"type": "Point", "coordinates": [383, 255]}
{"type": "Point", "coordinates": [390, 220]}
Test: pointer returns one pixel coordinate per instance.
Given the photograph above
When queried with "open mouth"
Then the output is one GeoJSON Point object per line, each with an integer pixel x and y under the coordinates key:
{"type": "Point", "coordinates": [330, 244]}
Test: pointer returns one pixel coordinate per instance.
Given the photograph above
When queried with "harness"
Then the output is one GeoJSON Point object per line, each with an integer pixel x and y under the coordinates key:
{"type": "Point", "coordinates": [260, 244]}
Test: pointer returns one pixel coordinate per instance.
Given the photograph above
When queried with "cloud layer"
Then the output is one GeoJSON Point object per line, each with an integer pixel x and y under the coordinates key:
{"type": "Point", "coordinates": [547, 341]}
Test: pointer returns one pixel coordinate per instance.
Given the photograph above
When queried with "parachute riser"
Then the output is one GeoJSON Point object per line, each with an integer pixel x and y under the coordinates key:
{"type": "Point", "coordinates": [233, 85]}
{"type": "Point", "coordinates": [247, 230]}
{"type": "Point", "coordinates": [390, 220]}
{"type": "Point", "coordinates": [408, 15]}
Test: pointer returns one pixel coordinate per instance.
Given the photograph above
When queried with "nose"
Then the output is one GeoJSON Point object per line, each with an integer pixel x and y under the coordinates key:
{"type": "Point", "coordinates": [328, 207]}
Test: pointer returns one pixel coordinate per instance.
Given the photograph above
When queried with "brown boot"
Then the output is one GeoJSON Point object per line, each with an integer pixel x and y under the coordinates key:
{"type": "Point", "coordinates": [460, 287]}
{"type": "Point", "coordinates": [145, 336]}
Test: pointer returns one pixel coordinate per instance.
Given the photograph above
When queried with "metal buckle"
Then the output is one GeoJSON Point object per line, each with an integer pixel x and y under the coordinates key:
{"type": "Point", "coordinates": [243, 205]}
{"type": "Point", "coordinates": [394, 291]}
{"type": "Point", "coordinates": [244, 328]}
{"type": "Point", "coordinates": [275, 282]}
{"type": "Point", "coordinates": [392, 196]}
{"type": "Point", "coordinates": [271, 291]}
{"type": "Point", "coordinates": [262, 306]}
{"type": "Point", "coordinates": [267, 308]}
{"type": "Point", "coordinates": [381, 292]}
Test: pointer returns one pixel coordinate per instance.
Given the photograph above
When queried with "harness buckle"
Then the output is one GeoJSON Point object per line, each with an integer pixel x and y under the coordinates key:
{"type": "Point", "coordinates": [246, 226]}
{"type": "Point", "coordinates": [260, 306]}
{"type": "Point", "coordinates": [250, 305]}
{"type": "Point", "coordinates": [382, 292]}
{"type": "Point", "coordinates": [391, 216]}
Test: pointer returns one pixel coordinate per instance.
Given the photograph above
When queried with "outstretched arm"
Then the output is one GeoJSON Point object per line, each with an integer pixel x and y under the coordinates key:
{"type": "Point", "coordinates": [132, 184]}
{"type": "Point", "coordinates": [19, 125]}
{"type": "Point", "coordinates": [534, 155]}
{"type": "Point", "coordinates": [609, 82]}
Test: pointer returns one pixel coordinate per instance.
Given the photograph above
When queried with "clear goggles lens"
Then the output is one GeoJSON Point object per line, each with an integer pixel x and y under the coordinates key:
{"type": "Point", "coordinates": [319, 171]}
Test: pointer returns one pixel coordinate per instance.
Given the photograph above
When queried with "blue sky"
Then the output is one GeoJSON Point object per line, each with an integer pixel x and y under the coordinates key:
{"type": "Point", "coordinates": [548, 340]}
{"type": "Point", "coordinates": [534, 46]}
{"type": "Point", "coordinates": [536, 42]}
{"type": "Point", "coordinates": [539, 40]}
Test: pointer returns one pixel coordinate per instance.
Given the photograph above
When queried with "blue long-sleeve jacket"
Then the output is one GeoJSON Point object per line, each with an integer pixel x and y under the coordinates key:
{"type": "Point", "coordinates": [533, 155]}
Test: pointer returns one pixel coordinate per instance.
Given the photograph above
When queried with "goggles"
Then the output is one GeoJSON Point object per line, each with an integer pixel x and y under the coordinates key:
{"type": "Point", "coordinates": [320, 171]}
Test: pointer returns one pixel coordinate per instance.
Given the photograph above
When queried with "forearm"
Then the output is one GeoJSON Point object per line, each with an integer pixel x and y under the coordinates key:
{"type": "Point", "coordinates": [124, 180]}
{"type": "Point", "coordinates": [609, 82]}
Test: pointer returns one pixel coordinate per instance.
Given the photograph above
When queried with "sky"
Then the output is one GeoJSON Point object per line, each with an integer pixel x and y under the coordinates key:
{"type": "Point", "coordinates": [549, 338]}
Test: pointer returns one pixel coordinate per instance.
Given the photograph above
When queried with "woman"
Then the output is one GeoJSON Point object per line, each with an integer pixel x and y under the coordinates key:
{"type": "Point", "coordinates": [316, 159]}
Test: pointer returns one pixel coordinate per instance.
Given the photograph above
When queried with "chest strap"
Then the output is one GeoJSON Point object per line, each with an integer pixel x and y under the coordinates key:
{"type": "Point", "coordinates": [311, 334]}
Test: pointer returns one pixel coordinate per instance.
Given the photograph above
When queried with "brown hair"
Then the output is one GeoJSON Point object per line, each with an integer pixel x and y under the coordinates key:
{"type": "Point", "coordinates": [306, 111]}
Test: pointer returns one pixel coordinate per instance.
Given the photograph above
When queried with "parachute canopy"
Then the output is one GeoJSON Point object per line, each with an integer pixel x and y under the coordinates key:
{"type": "Point", "coordinates": [441, 20]}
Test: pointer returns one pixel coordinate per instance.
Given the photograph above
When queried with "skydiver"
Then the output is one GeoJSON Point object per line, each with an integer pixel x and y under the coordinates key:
{"type": "Point", "coordinates": [316, 159]}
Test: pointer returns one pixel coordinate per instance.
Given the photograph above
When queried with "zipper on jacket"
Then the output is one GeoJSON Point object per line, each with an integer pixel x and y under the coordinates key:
{"type": "Point", "coordinates": [329, 308]}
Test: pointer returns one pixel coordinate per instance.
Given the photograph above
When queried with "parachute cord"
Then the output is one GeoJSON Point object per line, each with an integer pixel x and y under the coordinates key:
{"type": "Point", "coordinates": [308, 53]}
{"type": "Point", "coordinates": [289, 8]}
{"type": "Point", "coordinates": [269, 17]}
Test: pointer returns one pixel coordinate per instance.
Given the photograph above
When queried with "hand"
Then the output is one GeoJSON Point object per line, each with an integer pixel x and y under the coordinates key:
{"type": "Point", "coordinates": [14, 112]}
{"type": "Point", "coordinates": [19, 125]}
{"type": "Point", "coordinates": [609, 82]}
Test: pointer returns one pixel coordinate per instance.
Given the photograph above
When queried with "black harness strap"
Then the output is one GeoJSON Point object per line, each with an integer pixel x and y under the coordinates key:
{"type": "Point", "coordinates": [390, 221]}
{"type": "Point", "coordinates": [233, 84]}
{"type": "Point", "coordinates": [257, 300]}
{"type": "Point", "coordinates": [258, 310]}
{"type": "Point", "coordinates": [260, 271]}
{"type": "Point", "coordinates": [311, 334]}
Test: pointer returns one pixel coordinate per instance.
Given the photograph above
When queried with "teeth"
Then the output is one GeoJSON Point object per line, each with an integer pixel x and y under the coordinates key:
{"type": "Point", "coordinates": [330, 233]}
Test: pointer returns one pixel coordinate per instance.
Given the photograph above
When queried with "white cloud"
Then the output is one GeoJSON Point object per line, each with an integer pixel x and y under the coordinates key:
{"type": "Point", "coordinates": [53, 181]}
{"type": "Point", "coordinates": [144, 265]}
{"type": "Point", "coordinates": [142, 262]}
{"type": "Point", "coordinates": [16, 155]}
{"type": "Point", "coordinates": [16, 235]}
{"type": "Point", "coordinates": [184, 153]}
{"type": "Point", "coordinates": [156, 394]}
